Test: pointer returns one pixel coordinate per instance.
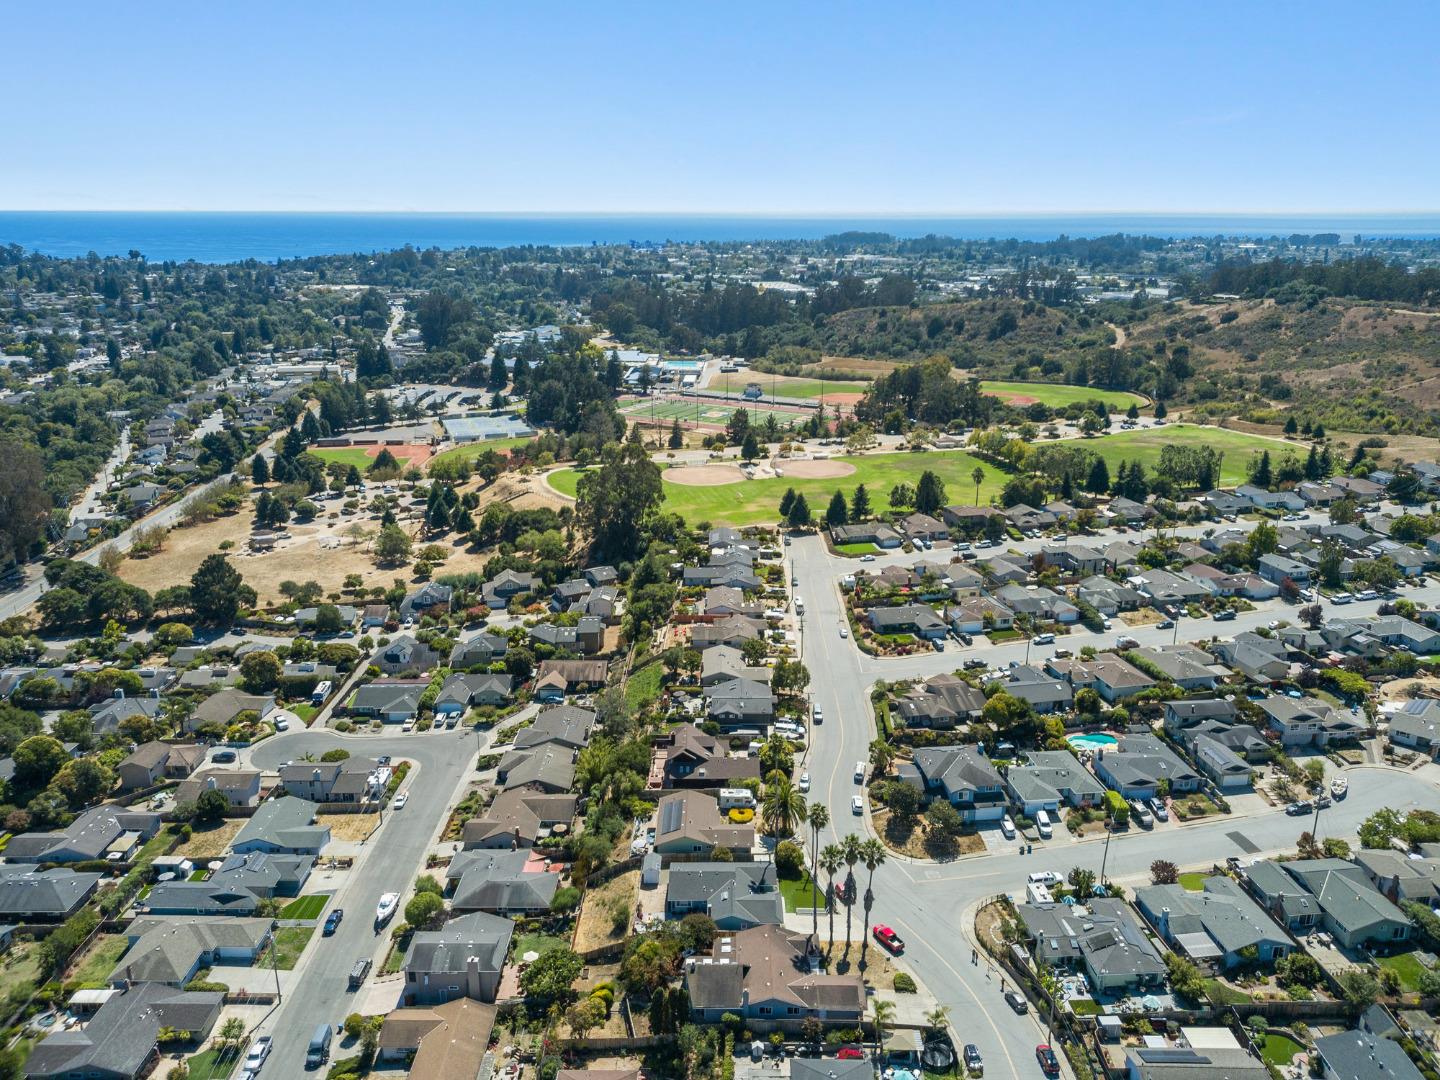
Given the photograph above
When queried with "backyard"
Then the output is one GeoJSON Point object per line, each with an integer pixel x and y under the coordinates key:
{"type": "Point", "coordinates": [606, 914]}
{"type": "Point", "coordinates": [536, 943]}
{"type": "Point", "coordinates": [1407, 966]}
{"type": "Point", "coordinates": [94, 968]}
{"type": "Point", "coordinates": [1277, 1048]}
{"type": "Point", "coordinates": [210, 842]}
{"type": "Point", "coordinates": [20, 971]}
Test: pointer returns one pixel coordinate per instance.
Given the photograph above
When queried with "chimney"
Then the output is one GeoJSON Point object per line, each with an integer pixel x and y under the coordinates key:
{"type": "Point", "coordinates": [210, 782]}
{"type": "Point", "coordinates": [119, 693]}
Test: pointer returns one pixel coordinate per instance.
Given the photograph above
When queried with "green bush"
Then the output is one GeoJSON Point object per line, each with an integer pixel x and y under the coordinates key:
{"type": "Point", "coordinates": [904, 984]}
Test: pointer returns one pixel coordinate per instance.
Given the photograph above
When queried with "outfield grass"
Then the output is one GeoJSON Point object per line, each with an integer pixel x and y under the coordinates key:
{"type": "Point", "coordinates": [1145, 446]}
{"type": "Point", "coordinates": [470, 451]}
{"type": "Point", "coordinates": [305, 907]}
{"type": "Point", "coordinates": [346, 455]}
{"type": "Point", "coordinates": [753, 501]}
{"type": "Point", "coordinates": [1058, 395]}
{"type": "Point", "coordinates": [708, 411]}
{"type": "Point", "coordinates": [786, 386]}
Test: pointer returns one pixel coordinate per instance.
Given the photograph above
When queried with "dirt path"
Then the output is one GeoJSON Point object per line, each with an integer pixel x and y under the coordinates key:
{"type": "Point", "coordinates": [1120, 335]}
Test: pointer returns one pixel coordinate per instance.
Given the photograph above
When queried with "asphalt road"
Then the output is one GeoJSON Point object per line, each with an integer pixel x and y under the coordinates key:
{"type": "Point", "coordinates": [391, 863]}
{"type": "Point", "coordinates": [931, 905]}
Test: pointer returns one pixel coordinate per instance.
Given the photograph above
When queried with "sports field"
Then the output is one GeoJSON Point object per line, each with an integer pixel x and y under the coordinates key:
{"type": "Point", "coordinates": [1056, 395]}
{"type": "Point", "coordinates": [346, 455]}
{"type": "Point", "coordinates": [408, 454]}
{"type": "Point", "coordinates": [1145, 446]}
{"type": "Point", "coordinates": [748, 502]}
{"type": "Point", "coordinates": [706, 412]}
{"type": "Point", "coordinates": [844, 392]}
{"type": "Point", "coordinates": [752, 501]}
{"type": "Point", "coordinates": [470, 451]}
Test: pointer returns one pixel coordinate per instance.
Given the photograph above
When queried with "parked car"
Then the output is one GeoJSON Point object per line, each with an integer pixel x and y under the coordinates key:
{"type": "Point", "coordinates": [1165, 624]}
{"type": "Point", "coordinates": [844, 631]}
{"type": "Point", "coordinates": [1016, 1001]}
{"type": "Point", "coordinates": [804, 781]}
{"type": "Point", "coordinates": [1045, 877]}
{"type": "Point", "coordinates": [332, 922]}
{"type": "Point", "coordinates": [867, 558]}
{"type": "Point", "coordinates": [888, 938]}
{"type": "Point", "coordinates": [973, 1061]}
{"type": "Point", "coordinates": [1049, 1063]}
{"type": "Point", "coordinates": [1228, 615]}
{"type": "Point", "coordinates": [223, 757]}
{"type": "Point", "coordinates": [400, 801]}
{"type": "Point", "coordinates": [1162, 812]}
{"type": "Point", "coordinates": [857, 805]}
{"type": "Point", "coordinates": [966, 639]}
{"type": "Point", "coordinates": [1298, 809]}
{"type": "Point", "coordinates": [259, 1051]}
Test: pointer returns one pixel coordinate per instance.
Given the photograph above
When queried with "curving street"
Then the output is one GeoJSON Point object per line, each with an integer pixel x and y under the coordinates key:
{"type": "Point", "coordinates": [931, 905]}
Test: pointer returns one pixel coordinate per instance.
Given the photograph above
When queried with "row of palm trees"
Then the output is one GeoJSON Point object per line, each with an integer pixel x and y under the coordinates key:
{"type": "Point", "coordinates": [783, 810]}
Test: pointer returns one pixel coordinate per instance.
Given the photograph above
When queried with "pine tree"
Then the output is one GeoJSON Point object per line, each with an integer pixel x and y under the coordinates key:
{"type": "Point", "coordinates": [1099, 480]}
{"type": "Point", "coordinates": [799, 515]}
{"type": "Point", "coordinates": [1290, 426]}
{"type": "Point", "coordinates": [786, 502]}
{"type": "Point", "coordinates": [677, 437]}
{"type": "Point", "coordinates": [860, 504]}
{"type": "Point", "coordinates": [929, 493]}
{"type": "Point", "coordinates": [1160, 411]}
{"type": "Point", "coordinates": [837, 513]}
{"type": "Point", "coordinates": [1261, 475]}
{"type": "Point", "coordinates": [1312, 464]}
{"type": "Point", "coordinates": [260, 470]}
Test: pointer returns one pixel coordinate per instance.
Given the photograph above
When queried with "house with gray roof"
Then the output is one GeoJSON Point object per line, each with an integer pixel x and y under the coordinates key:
{"type": "Point", "coordinates": [426, 600]}
{"type": "Point", "coordinates": [941, 701]}
{"type": "Point", "coordinates": [284, 826]}
{"type": "Point", "coordinates": [121, 1040]}
{"type": "Point", "coordinates": [1226, 769]}
{"type": "Point", "coordinates": [736, 895]}
{"type": "Point", "coordinates": [1103, 939]}
{"type": "Point", "coordinates": [771, 974]}
{"type": "Point", "coordinates": [94, 834]}
{"type": "Point", "coordinates": [517, 819]}
{"type": "Point", "coordinates": [479, 651]}
{"type": "Point", "coordinates": [961, 775]}
{"type": "Point", "coordinates": [1109, 597]}
{"type": "Point", "coordinates": [1332, 893]}
{"type": "Point", "coordinates": [918, 619]}
{"type": "Point", "coordinates": [354, 780]}
{"type": "Point", "coordinates": [1050, 778]}
{"type": "Point", "coordinates": [107, 716]}
{"type": "Point", "coordinates": [1261, 660]}
{"type": "Point", "coordinates": [1140, 764]}
{"type": "Point", "coordinates": [1187, 713]}
{"type": "Point", "coordinates": [28, 895]}
{"type": "Point", "coordinates": [501, 882]}
{"type": "Point", "coordinates": [1044, 693]}
{"type": "Point", "coordinates": [1037, 602]}
{"type": "Point", "coordinates": [460, 692]}
{"type": "Point", "coordinates": [152, 762]}
{"type": "Point", "coordinates": [170, 951]}
{"type": "Point", "coordinates": [691, 823]}
{"type": "Point", "coordinates": [1110, 676]}
{"type": "Point", "coordinates": [721, 663]}
{"type": "Point", "coordinates": [1361, 1055]}
{"type": "Point", "coordinates": [1184, 665]}
{"type": "Point", "coordinates": [391, 701]}
{"type": "Point", "coordinates": [740, 703]}
{"type": "Point", "coordinates": [222, 708]}
{"type": "Point", "coordinates": [1231, 1062]}
{"type": "Point", "coordinates": [1308, 721]}
{"type": "Point", "coordinates": [240, 787]}
{"type": "Point", "coordinates": [406, 654]}
{"type": "Point", "coordinates": [463, 959]}
{"type": "Point", "coordinates": [506, 586]}
{"type": "Point", "coordinates": [547, 767]}
{"type": "Point", "coordinates": [1400, 877]}
{"type": "Point", "coordinates": [1215, 926]}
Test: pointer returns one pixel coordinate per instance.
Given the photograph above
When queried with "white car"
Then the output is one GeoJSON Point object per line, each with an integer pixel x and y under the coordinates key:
{"type": "Point", "coordinates": [805, 781]}
{"type": "Point", "coordinates": [867, 558]}
{"type": "Point", "coordinates": [1045, 877]}
{"type": "Point", "coordinates": [400, 801]}
{"type": "Point", "coordinates": [844, 631]}
{"type": "Point", "coordinates": [857, 805]}
{"type": "Point", "coordinates": [259, 1051]}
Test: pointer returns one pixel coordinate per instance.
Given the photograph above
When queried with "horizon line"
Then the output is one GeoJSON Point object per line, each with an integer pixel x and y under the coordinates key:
{"type": "Point", "coordinates": [792, 214]}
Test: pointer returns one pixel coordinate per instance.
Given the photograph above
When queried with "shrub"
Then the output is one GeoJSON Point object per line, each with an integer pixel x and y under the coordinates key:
{"type": "Point", "coordinates": [904, 984]}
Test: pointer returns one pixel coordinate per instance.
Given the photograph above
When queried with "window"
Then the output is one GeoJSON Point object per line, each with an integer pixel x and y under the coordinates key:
{"type": "Point", "coordinates": [765, 1010]}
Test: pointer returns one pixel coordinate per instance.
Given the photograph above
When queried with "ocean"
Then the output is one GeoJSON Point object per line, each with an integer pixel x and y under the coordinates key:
{"type": "Point", "coordinates": [232, 237]}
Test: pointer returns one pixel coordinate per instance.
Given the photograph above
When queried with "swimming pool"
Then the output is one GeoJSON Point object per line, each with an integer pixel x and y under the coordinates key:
{"type": "Point", "coordinates": [683, 365]}
{"type": "Point", "coordinates": [1097, 741]}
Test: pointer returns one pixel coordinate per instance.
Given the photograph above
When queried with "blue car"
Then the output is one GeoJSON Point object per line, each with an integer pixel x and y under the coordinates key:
{"type": "Point", "coordinates": [332, 922]}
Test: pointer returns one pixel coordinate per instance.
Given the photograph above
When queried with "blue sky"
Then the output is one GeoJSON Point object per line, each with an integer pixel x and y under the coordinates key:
{"type": "Point", "coordinates": [724, 107]}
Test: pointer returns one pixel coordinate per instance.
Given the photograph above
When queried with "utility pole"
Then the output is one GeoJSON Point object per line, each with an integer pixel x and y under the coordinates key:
{"type": "Point", "coordinates": [1105, 855]}
{"type": "Point", "coordinates": [274, 966]}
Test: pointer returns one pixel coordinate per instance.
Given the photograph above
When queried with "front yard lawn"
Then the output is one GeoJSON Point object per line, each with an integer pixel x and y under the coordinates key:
{"type": "Point", "coordinates": [1407, 965]}
{"type": "Point", "coordinates": [865, 547]}
{"type": "Point", "coordinates": [797, 893]}
{"type": "Point", "coordinates": [1193, 882]}
{"type": "Point", "coordinates": [290, 942]}
{"type": "Point", "coordinates": [304, 907]}
{"type": "Point", "coordinates": [305, 711]}
{"type": "Point", "coordinates": [214, 1064]}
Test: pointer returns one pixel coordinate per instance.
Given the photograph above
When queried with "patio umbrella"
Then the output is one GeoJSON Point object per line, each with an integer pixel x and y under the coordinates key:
{"type": "Point", "coordinates": [531, 956]}
{"type": "Point", "coordinates": [1150, 1001]}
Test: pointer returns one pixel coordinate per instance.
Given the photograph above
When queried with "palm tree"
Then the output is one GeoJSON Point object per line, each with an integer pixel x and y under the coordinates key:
{"type": "Point", "coordinates": [979, 477]}
{"type": "Point", "coordinates": [818, 817]}
{"type": "Point", "coordinates": [938, 1018]}
{"type": "Point", "coordinates": [851, 850]}
{"type": "Point", "coordinates": [872, 853]}
{"type": "Point", "coordinates": [881, 1013]}
{"type": "Point", "coordinates": [784, 805]}
{"type": "Point", "coordinates": [831, 859]}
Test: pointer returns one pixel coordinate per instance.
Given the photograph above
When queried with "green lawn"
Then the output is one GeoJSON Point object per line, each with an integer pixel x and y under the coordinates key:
{"type": "Point", "coordinates": [346, 455]}
{"type": "Point", "coordinates": [304, 907]}
{"type": "Point", "coordinates": [863, 548]}
{"type": "Point", "coordinates": [1221, 994]}
{"type": "Point", "coordinates": [1085, 1007]}
{"type": "Point", "coordinates": [1058, 395]}
{"type": "Point", "coordinates": [1145, 446]}
{"type": "Point", "coordinates": [211, 1066]}
{"type": "Point", "coordinates": [1407, 966]}
{"type": "Point", "coordinates": [540, 943]}
{"type": "Point", "coordinates": [787, 386]}
{"type": "Point", "coordinates": [470, 451]}
{"type": "Point", "coordinates": [305, 711]}
{"type": "Point", "coordinates": [643, 686]}
{"type": "Point", "coordinates": [753, 501]}
{"type": "Point", "coordinates": [290, 942]}
{"type": "Point", "coordinates": [20, 971]}
{"type": "Point", "coordinates": [798, 894]}
{"type": "Point", "coordinates": [1277, 1049]}
{"type": "Point", "coordinates": [101, 959]}
{"type": "Point", "coordinates": [1193, 882]}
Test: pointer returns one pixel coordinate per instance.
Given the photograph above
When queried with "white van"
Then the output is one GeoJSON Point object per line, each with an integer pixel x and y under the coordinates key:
{"type": "Point", "coordinates": [1042, 824]}
{"type": "Point", "coordinates": [1007, 828]}
{"type": "Point", "coordinates": [859, 772]}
